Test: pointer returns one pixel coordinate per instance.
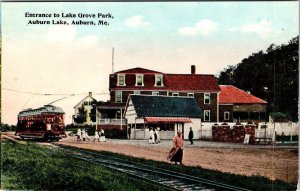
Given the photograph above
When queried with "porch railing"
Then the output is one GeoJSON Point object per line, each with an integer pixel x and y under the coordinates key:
{"type": "Point", "coordinates": [111, 121]}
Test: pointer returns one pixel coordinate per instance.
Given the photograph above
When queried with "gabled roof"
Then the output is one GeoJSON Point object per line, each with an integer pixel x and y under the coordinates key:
{"type": "Point", "coordinates": [164, 106]}
{"type": "Point", "coordinates": [138, 71]}
{"type": "Point", "coordinates": [84, 100]}
{"type": "Point", "coordinates": [233, 95]}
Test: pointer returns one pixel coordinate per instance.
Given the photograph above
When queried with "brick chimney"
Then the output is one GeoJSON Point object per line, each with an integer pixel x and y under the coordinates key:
{"type": "Point", "coordinates": [193, 69]}
{"type": "Point", "coordinates": [90, 94]}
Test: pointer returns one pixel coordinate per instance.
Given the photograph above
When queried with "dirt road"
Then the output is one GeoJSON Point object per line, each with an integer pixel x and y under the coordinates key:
{"type": "Point", "coordinates": [271, 162]}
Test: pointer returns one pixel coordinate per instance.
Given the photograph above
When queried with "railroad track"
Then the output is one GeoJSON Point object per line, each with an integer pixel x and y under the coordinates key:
{"type": "Point", "coordinates": [170, 180]}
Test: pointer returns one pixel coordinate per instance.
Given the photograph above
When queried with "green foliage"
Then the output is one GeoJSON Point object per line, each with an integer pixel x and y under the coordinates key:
{"type": "Point", "coordinates": [35, 167]}
{"type": "Point", "coordinates": [32, 167]}
{"type": "Point", "coordinates": [93, 111]}
{"type": "Point", "coordinates": [81, 116]}
{"type": "Point", "coordinates": [287, 138]}
{"type": "Point", "coordinates": [265, 74]}
{"type": "Point", "coordinates": [6, 127]}
{"type": "Point", "coordinates": [116, 134]}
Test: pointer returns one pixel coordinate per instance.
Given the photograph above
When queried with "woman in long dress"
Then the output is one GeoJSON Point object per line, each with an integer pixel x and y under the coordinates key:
{"type": "Point", "coordinates": [96, 136]}
{"type": "Point", "coordinates": [157, 140]}
{"type": "Point", "coordinates": [78, 134]}
{"type": "Point", "coordinates": [102, 137]}
{"type": "Point", "coordinates": [151, 137]}
{"type": "Point", "coordinates": [176, 153]}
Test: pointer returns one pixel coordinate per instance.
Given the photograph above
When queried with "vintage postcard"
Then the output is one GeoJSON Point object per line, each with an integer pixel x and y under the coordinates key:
{"type": "Point", "coordinates": [212, 87]}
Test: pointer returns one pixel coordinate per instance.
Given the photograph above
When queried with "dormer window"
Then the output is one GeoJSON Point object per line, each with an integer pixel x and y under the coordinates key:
{"type": "Point", "coordinates": [139, 80]}
{"type": "Point", "coordinates": [159, 80]}
{"type": "Point", "coordinates": [121, 80]}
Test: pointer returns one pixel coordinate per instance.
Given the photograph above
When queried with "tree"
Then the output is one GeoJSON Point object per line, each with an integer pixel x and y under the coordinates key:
{"type": "Point", "coordinates": [81, 116]}
{"type": "Point", "coordinates": [271, 76]}
{"type": "Point", "coordinates": [93, 111]}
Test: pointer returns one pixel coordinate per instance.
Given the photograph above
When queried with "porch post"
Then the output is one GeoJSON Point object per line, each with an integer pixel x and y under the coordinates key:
{"type": "Point", "coordinates": [144, 130]}
{"type": "Point", "coordinates": [121, 119]}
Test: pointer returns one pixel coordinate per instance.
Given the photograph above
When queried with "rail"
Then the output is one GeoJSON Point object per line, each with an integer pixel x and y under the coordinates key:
{"type": "Point", "coordinates": [170, 180]}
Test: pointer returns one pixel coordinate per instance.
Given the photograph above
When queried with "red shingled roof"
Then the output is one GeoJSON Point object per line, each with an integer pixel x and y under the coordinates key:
{"type": "Point", "coordinates": [191, 82]}
{"type": "Point", "coordinates": [168, 120]}
{"type": "Point", "coordinates": [172, 82]}
{"type": "Point", "coordinates": [233, 95]}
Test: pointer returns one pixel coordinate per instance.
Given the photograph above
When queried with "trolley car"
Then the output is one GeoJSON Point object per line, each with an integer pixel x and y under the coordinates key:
{"type": "Point", "coordinates": [45, 123]}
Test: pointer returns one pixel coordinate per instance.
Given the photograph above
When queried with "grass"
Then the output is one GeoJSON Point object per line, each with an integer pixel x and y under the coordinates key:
{"type": "Point", "coordinates": [36, 167]}
{"type": "Point", "coordinates": [33, 167]}
{"type": "Point", "coordinates": [256, 183]}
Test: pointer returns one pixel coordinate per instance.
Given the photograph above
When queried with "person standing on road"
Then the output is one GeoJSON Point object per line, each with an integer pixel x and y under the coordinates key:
{"type": "Point", "coordinates": [191, 135]}
{"type": "Point", "coordinates": [83, 134]}
{"type": "Point", "coordinates": [102, 137]}
{"type": "Point", "coordinates": [156, 135]}
{"type": "Point", "coordinates": [176, 153]}
{"type": "Point", "coordinates": [78, 134]}
{"type": "Point", "coordinates": [151, 136]}
{"type": "Point", "coordinates": [96, 136]}
{"type": "Point", "coordinates": [129, 132]}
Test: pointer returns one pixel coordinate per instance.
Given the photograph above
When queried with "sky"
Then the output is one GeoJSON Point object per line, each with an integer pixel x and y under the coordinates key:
{"type": "Point", "coordinates": [169, 37]}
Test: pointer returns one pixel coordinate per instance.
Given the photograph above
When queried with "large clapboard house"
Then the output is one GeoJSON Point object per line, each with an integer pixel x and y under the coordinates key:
{"type": "Point", "coordinates": [139, 81]}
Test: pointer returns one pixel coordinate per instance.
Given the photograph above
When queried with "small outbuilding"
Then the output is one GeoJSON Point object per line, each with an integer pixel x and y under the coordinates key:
{"type": "Point", "coordinates": [236, 105]}
{"type": "Point", "coordinates": [167, 114]}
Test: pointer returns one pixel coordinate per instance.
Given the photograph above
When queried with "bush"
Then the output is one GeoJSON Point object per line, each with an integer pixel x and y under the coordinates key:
{"type": "Point", "coordinates": [287, 138]}
{"type": "Point", "coordinates": [6, 127]}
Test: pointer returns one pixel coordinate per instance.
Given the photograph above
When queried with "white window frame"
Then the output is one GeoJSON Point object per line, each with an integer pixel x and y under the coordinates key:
{"type": "Point", "coordinates": [155, 93]}
{"type": "Point", "coordinates": [228, 113]}
{"type": "Point", "coordinates": [206, 111]}
{"type": "Point", "coordinates": [116, 97]}
{"type": "Point", "coordinates": [175, 94]}
{"type": "Point", "coordinates": [190, 94]}
{"type": "Point", "coordinates": [157, 76]}
{"type": "Point", "coordinates": [137, 92]}
{"type": "Point", "coordinates": [118, 82]}
{"type": "Point", "coordinates": [136, 79]}
{"type": "Point", "coordinates": [208, 98]}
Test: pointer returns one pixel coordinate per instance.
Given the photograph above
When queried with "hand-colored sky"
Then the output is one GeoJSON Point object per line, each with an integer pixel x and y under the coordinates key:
{"type": "Point", "coordinates": [164, 36]}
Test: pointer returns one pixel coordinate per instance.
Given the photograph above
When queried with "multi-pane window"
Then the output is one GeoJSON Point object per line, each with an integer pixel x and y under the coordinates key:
{"type": "Point", "coordinates": [118, 97]}
{"type": "Point", "coordinates": [139, 80]}
{"type": "Point", "coordinates": [87, 103]}
{"type": "Point", "coordinates": [155, 93]}
{"type": "Point", "coordinates": [207, 98]}
{"type": "Point", "coordinates": [159, 80]}
{"type": "Point", "coordinates": [190, 94]}
{"type": "Point", "coordinates": [175, 94]}
{"type": "Point", "coordinates": [206, 115]}
{"type": "Point", "coordinates": [226, 115]}
{"type": "Point", "coordinates": [121, 80]}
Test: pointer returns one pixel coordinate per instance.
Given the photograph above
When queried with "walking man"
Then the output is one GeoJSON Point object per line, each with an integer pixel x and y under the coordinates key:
{"type": "Point", "coordinates": [191, 136]}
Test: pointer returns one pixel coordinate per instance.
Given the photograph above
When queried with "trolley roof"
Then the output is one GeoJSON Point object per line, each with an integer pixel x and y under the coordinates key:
{"type": "Point", "coordinates": [44, 109]}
